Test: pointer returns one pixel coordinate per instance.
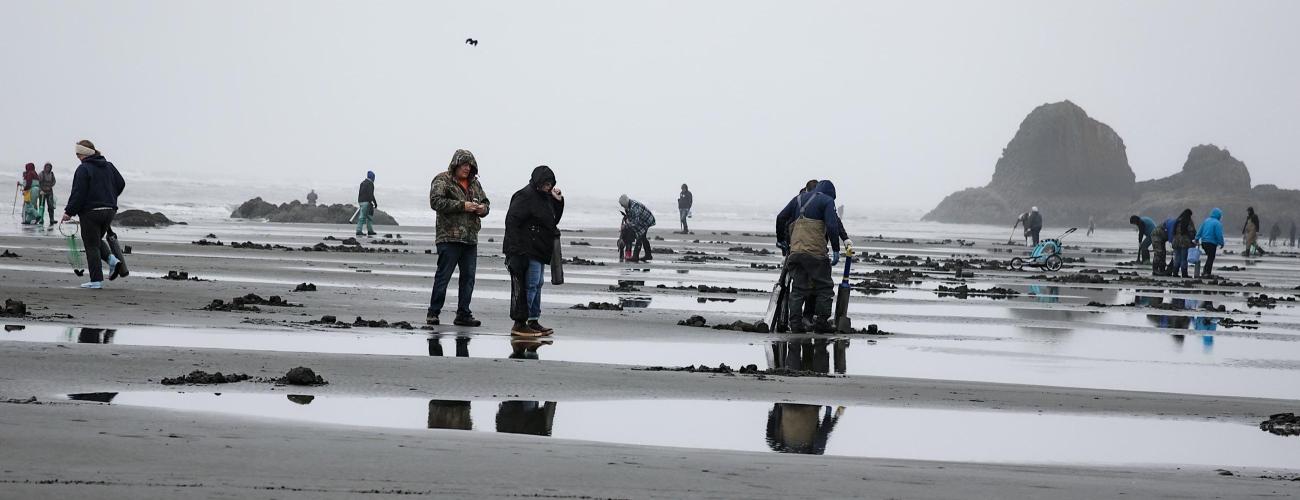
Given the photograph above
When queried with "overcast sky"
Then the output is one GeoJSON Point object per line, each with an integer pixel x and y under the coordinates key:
{"type": "Point", "coordinates": [899, 102]}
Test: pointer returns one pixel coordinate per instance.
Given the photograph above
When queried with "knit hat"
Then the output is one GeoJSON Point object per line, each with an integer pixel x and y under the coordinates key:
{"type": "Point", "coordinates": [86, 148]}
{"type": "Point", "coordinates": [370, 174]}
{"type": "Point", "coordinates": [623, 200]}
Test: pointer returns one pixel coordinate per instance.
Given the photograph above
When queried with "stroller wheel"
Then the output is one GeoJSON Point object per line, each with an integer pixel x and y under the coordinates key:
{"type": "Point", "coordinates": [1018, 264]}
{"type": "Point", "coordinates": [1053, 263]}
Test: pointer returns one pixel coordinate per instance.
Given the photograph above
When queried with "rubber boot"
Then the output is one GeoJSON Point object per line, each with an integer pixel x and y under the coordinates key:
{"type": "Point", "coordinates": [120, 270]}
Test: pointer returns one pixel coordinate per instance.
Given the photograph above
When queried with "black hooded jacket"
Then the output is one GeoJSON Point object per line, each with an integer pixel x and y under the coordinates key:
{"type": "Point", "coordinates": [532, 221]}
{"type": "Point", "coordinates": [96, 184]}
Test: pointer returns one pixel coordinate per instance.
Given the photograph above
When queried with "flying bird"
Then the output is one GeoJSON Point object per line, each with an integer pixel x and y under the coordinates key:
{"type": "Point", "coordinates": [471, 42]}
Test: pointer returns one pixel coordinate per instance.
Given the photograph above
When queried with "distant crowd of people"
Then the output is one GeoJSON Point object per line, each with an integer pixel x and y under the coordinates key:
{"type": "Point", "coordinates": [1188, 244]}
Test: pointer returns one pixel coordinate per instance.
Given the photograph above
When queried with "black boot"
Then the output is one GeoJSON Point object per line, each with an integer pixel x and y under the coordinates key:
{"type": "Point", "coordinates": [466, 320]}
{"type": "Point", "coordinates": [823, 325]}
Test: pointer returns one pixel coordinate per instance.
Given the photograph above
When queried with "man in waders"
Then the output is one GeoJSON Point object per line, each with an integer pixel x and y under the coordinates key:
{"type": "Point", "coordinates": [804, 227]}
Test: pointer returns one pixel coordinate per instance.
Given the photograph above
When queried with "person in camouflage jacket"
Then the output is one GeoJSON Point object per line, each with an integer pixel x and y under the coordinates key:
{"type": "Point", "coordinates": [461, 204]}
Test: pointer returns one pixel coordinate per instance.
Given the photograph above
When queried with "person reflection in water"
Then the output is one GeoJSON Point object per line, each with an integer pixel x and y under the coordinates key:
{"type": "Point", "coordinates": [462, 346]}
{"type": "Point", "coordinates": [446, 414]}
{"type": "Point", "coordinates": [801, 428]}
{"type": "Point", "coordinates": [526, 348]}
{"type": "Point", "coordinates": [809, 355]}
{"type": "Point", "coordinates": [95, 336]}
{"type": "Point", "coordinates": [526, 417]}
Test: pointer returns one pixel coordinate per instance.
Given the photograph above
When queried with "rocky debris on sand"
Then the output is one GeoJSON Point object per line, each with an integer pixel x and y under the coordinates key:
{"type": "Point", "coordinates": [873, 287]}
{"type": "Point", "coordinates": [696, 321]}
{"type": "Point", "coordinates": [1282, 424]}
{"type": "Point", "coordinates": [871, 329]}
{"type": "Point", "coordinates": [723, 369]}
{"type": "Point", "coordinates": [204, 242]}
{"type": "Point", "coordinates": [211, 235]}
{"type": "Point", "coordinates": [1112, 272]}
{"type": "Point", "coordinates": [895, 276]}
{"type": "Point", "coordinates": [1085, 278]}
{"type": "Point", "coordinates": [141, 218]}
{"type": "Point", "coordinates": [964, 291]}
{"type": "Point", "coordinates": [580, 243]}
{"type": "Point", "coordinates": [743, 326]}
{"type": "Point", "coordinates": [301, 376]}
{"type": "Point", "coordinates": [1108, 250]}
{"type": "Point", "coordinates": [350, 241]}
{"type": "Point", "coordinates": [1249, 324]}
{"type": "Point", "coordinates": [258, 246]}
{"type": "Point", "coordinates": [765, 267]}
{"type": "Point", "coordinates": [579, 261]}
{"type": "Point", "coordinates": [634, 302]}
{"type": "Point", "coordinates": [332, 321]}
{"type": "Point", "coordinates": [391, 236]}
{"type": "Point", "coordinates": [305, 287]}
{"type": "Point", "coordinates": [700, 259]}
{"type": "Point", "coordinates": [202, 377]}
{"type": "Point", "coordinates": [623, 287]}
{"type": "Point", "coordinates": [665, 251]}
{"type": "Point", "coordinates": [9, 255]}
{"type": "Point", "coordinates": [30, 400]}
{"type": "Point", "coordinates": [180, 276]}
{"type": "Point", "coordinates": [296, 211]}
{"type": "Point", "coordinates": [1264, 301]}
{"type": "Point", "coordinates": [597, 306]}
{"type": "Point", "coordinates": [703, 300]}
{"type": "Point", "coordinates": [750, 251]}
{"type": "Point", "coordinates": [14, 308]}
{"type": "Point", "coordinates": [386, 241]}
{"type": "Point", "coordinates": [710, 289]}
{"type": "Point", "coordinates": [248, 303]}
{"type": "Point", "coordinates": [345, 247]}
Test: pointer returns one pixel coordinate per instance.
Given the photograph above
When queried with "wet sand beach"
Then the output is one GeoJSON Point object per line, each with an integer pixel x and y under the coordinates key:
{"type": "Point", "coordinates": [1093, 381]}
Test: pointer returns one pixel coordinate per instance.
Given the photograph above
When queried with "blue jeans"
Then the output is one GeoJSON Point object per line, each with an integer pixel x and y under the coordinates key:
{"type": "Point", "coordinates": [364, 216]}
{"type": "Point", "coordinates": [451, 256]}
{"type": "Point", "coordinates": [1180, 262]}
{"type": "Point", "coordinates": [534, 284]}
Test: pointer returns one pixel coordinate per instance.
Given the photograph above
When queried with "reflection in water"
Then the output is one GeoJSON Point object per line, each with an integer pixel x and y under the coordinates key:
{"type": "Point", "coordinates": [14, 328]}
{"type": "Point", "coordinates": [1198, 323]}
{"type": "Point", "coordinates": [462, 346]}
{"type": "Point", "coordinates": [526, 417]}
{"type": "Point", "coordinates": [445, 414]}
{"type": "Point", "coordinates": [801, 428]}
{"type": "Point", "coordinates": [526, 348]}
{"type": "Point", "coordinates": [301, 399]}
{"type": "Point", "coordinates": [1047, 295]}
{"type": "Point", "coordinates": [102, 397]}
{"type": "Point", "coordinates": [809, 355]}
{"type": "Point", "coordinates": [94, 335]}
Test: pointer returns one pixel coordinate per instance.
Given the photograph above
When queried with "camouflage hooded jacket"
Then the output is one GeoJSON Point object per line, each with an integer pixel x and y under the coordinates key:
{"type": "Point", "coordinates": [447, 197]}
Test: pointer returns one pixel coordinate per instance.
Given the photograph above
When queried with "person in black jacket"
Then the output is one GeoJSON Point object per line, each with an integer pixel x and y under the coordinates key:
{"type": "Point", "coordinates": [532, 228]}
{"type": "Point", "coordinates": [95, 188]}
{"type": "Point", "coordinates": [367, 203]}
{"type": "Point", "coordinates": [684, 202]}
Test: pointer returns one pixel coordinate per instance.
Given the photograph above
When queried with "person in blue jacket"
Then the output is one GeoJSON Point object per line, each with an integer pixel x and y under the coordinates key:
{"type": "Point", "coordinates": [1144, 227]}
{"type": "Point", "coordinates": [1211, 238]}
{"type": "Point", "coordinates": [802, 230]}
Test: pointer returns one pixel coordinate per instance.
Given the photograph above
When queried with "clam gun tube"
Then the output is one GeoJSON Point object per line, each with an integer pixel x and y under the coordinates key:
{"type": "Point", "coordinates": [842, 322]}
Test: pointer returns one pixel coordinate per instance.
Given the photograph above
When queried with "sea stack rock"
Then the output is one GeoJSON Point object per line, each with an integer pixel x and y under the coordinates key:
{"type": "Point", "coordinates": [1062, 161]}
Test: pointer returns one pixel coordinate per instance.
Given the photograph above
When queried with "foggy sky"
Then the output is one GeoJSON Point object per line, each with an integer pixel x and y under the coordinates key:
{"type": "Point", "coordinates": [900, 103]}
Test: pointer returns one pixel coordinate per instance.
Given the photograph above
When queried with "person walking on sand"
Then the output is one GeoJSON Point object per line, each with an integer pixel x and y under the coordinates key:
{"type": "Point", "coordinates": [684, 202]}
{"type": "Point", "coordinates": [532, 228]}
{"type": "Point", "coordinates": [803, 227]}
{"type": "Point", "coordinates": [1274, 233]}
{"type": "Point", "coordinates": [367, 205]}
{"type": "Point", "coordinates": [95, 188]}
{"type": "Point", "coordinates": [311, 198]}
{"type": "Point", "coordinates": [1160, 235]}
{"type": "Point", "coordinates": [1293, 234]}
{"type": "Point", "coordinates": [461, 204]}
{"type": "Point", "coordinates": [47, 181]}
{"type": "Point", "coordinates": [1250, 231]}
{"type": "Point", "coordinates": [1092, 225]}
{"type": "Point", "coordinates": [1034, 225]}
{"type": "Point", "coordinates": [1184, 237]}
{"type": "Point", "coordinates": [641, 219]}
{"type": "Point", "coordinates": [1211, 238]}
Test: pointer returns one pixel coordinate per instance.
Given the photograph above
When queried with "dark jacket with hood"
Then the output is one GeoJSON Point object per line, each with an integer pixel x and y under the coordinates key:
{"type": "Point", "coordinates": [447, 197]}
{"type": "Point", "coordinates": [820, 206]}
{"type": "Point", "coordinates": [1035, 221]}
{"type": "Point", "coordinates": [367, 193]}
{"type": "Point", "coordinates": [29, 175]}
{"type": "Point", "coordinates": [685, 200]}
{"type": "Point", "coordinates": [532, 221]}
{"type": "Point", "coordinates": [96, 184]}
{"type": "Point", "coordinates": [1184, 230]}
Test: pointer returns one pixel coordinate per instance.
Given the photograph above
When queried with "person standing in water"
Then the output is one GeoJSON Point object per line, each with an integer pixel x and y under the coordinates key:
{"type": "Point", "coordinates": [804, 226]}
{"type": "Point", "coordinates": [311, 198]}
{"type": "Point", "coordinates": [1092, 225]}
{"type": "Point", "coordinates": [367, 205]}
{"type": "Point", "coordinates": [684, 202]}
{"type": "Point", "coordinates": [95, 188]}
{"type": "Point", "coordinates": [458, 198]}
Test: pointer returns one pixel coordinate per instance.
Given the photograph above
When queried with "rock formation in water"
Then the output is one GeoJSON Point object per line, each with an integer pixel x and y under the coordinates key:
{"type": "Point", "coordinates": [296, 211]}
{"type": "Point", "coordinates": [141, 218]}
{"type": "Point", "coordinates": [1072, 167]}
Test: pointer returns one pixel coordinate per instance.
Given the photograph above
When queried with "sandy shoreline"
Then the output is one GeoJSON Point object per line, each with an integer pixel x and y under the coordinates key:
{"type": "Point", "coordinates": [112, 451]}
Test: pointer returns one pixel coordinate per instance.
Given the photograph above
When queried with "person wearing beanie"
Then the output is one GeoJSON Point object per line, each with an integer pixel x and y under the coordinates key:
{"type": "Point", "coordinates": [532, 229]}
{"type": "Point", "coordinates": [47, 181]}
{"type": "Point", "coordinates": [367, 205]}
{"type": "Point", "coordinates": [95, 188]}
{"type": "Point", "coordinates": [641, 219]}
{"type": "Point", "coordinates": [461, 204]}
